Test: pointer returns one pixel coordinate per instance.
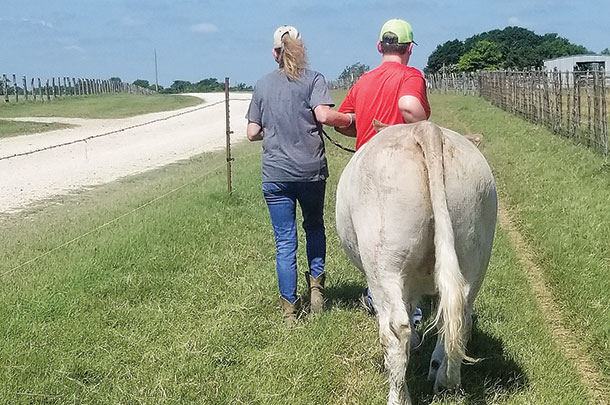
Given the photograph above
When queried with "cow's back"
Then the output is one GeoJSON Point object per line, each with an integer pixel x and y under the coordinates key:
{"type": "Point", "coordinates": [383, 198]}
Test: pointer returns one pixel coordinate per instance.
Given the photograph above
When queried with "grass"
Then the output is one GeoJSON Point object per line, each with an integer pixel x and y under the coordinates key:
{"type": "Point", "coordinates": [99, 106]}
{"type": "Point", "coordinates": [177, 302]}
{"type": "Point", "coordinates": [15, 128]}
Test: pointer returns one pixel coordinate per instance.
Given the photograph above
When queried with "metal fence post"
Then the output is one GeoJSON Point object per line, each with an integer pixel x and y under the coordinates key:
{"type": "Point", "coordinates": [228, 136]}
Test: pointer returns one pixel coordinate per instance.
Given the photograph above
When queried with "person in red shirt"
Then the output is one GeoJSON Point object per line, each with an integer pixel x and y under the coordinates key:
{"type": "Point", "coordinates": [392, 93]}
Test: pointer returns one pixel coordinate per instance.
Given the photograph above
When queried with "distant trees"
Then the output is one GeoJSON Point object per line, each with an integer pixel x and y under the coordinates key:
{"type": "Point", "coordinates": [352, 73]}
{"type": "Point", "coordinates": [606, 52]}
{"type": "Point", "coordinates": [141, 83]}
{"type": "Point", "coordinates": [510, 48]}
{"type": "Point", "coordinates": [203, 86]}
{"type": "Point", "coordinates": [485, 55]}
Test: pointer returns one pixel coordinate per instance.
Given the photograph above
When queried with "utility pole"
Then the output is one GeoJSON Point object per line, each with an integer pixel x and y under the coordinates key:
{"type": "Point", "coordinates": [156, 73]}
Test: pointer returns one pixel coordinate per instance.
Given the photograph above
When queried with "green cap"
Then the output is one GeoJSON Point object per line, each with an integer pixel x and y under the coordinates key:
{"type": "Point", "coordinates": [400, 28]}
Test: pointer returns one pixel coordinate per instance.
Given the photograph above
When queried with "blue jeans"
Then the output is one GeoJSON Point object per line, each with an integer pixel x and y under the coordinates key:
{"type": "Point", "coordinates": [281, 198]}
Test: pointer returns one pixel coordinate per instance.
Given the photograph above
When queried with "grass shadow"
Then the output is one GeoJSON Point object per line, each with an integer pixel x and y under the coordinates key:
{"type": "Point", "coordinates": [344, 295]}
{"type": "Point", "coordinates": [495, 376]}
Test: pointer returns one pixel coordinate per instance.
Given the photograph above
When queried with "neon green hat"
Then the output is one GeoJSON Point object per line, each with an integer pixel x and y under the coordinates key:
{"type": "Point", "coordinates": [400, 28]}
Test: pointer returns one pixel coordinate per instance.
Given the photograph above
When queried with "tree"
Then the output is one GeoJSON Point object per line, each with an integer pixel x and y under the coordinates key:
{"type": "Point", "coordinates": [485, 55]}
{"type": "Point", "coordinates": [180, 86]}
{"type": "Point", "coordinates": [142, 83]}
{"type": "Point", "coordinates": [352, 73]}
{"type": "Point", "coordinates": [520, 49]}
{"type": "Point", "coordinates": [447, 55]}
{"type": "Point", "coordinates": [115, 80]}
{"type": "Point", "coordinates": [606, 52]}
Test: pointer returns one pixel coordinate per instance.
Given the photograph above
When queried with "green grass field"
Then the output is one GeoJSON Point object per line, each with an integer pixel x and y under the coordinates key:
{"type": "Point", "coordinates": [101, 106]}
{"type": "Point", "coordinates": [15, 128]}
{"type": "Point", "coordinates": [177, 302]}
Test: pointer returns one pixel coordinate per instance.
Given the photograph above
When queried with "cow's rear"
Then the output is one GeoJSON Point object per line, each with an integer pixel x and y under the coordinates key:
{"type": "Point", "coordinates": [416, 210]}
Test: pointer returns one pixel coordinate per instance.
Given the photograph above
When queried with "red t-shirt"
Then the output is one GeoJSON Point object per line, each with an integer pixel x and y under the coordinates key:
{"type": "Point", "coordinates": [375, 96]}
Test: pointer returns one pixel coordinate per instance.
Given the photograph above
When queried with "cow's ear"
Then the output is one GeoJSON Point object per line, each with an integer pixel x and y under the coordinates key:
{"type": "Point", "coordinates": [379, 125]}
{"type": "Point", "coordinates": [476, 139]}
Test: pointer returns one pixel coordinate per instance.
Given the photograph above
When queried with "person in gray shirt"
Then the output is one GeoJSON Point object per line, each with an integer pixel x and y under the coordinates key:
{"type": "Point", "coordinates": [287, 111]}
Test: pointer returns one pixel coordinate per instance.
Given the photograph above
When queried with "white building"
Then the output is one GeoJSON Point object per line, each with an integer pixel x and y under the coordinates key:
{"type": "Point", "coordinates": [581, 62]}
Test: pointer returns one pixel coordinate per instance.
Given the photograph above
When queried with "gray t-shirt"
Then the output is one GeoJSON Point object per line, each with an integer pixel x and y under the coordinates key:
{"type": "Point", "coordinates": [293, 148]}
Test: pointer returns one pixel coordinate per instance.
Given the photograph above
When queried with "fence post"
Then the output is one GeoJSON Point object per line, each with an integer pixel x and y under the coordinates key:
{"type": "Point", "coordinates": [604, 113]}
{"type": "Point", "coordinates": [228, 135]}
{"type": "Point", "coordinates": [4, 88]}
{"type": "Point", "coordinates": [25, 88]}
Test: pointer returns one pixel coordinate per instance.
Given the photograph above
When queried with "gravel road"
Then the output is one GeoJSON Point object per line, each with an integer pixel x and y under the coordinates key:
{"type": "Point", "coordinates": [32, 177]}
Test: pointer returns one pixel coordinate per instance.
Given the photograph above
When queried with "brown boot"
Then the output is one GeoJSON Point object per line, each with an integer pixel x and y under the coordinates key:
{"type": "Point", "coordinates": [316, 289]}
{"type": "Point", "coordinates": [290, 312]}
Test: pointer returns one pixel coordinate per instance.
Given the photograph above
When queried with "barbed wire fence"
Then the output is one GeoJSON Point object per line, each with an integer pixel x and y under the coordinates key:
{"type": "Point", "coordinates": [12, 89]}
{"type": "Point", "coordinates": [572, 104]}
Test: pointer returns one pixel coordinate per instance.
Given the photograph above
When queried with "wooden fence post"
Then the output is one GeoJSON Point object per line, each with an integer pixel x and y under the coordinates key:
{"type": "Point", "coordinates": [15, 88]}
{"type": "Point", "coordinates": [25, 88]}
{"type": "Point", "coordinates": [4, 88]}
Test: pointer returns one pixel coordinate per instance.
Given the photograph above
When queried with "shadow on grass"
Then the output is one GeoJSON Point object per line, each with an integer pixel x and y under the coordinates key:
{"type": "Point", "coordinates": [493, 377]}
{"type": "Point", "coordinates": [344, 295]}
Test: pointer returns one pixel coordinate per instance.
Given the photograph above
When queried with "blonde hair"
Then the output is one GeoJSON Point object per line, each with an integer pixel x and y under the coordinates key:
{"type": "Point", "coordinates": [292, 57]}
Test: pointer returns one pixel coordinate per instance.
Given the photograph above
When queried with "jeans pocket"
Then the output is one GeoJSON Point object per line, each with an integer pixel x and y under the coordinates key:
{"type": "Point", "coordinates": [271, 188]}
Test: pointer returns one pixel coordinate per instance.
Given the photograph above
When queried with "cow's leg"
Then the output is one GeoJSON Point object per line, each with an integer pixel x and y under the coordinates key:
{"type": "Point", "coordinates": [438, 356]}
{"type": "Point", "coordinates": [394, 335]}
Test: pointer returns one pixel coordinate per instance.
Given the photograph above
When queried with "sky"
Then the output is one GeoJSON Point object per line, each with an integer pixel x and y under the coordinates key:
{"type": "Point", "coordinates": [198, 39]}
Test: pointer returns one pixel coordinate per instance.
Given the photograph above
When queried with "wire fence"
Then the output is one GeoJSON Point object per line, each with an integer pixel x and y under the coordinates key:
{"type": "Point", "coordinates": [12, 89]}
{"type": "Point", "coordinates": [572, 104]}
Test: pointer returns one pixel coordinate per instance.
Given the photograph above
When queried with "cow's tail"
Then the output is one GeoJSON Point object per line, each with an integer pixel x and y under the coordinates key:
{"type": "Point", "coordinates": [448, 276]}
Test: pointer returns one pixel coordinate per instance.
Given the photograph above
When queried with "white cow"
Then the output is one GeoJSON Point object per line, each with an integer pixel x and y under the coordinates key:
{"type": "Point", "coordinates": [416, 212]}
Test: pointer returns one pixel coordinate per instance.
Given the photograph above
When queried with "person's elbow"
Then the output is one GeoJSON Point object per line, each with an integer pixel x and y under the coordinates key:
{"type": "Point", "coordinates": [254, 132]}
{"type": "Point", "coordinates": [412, 109]}
{"type": "Point", "coordinates": [411, 116]}
{"type": "Point", "coordinates": [323, 114]}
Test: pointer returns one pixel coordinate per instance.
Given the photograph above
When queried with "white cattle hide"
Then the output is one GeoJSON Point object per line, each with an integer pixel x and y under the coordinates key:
{"type": "Point", "coordinates": [416, 212]}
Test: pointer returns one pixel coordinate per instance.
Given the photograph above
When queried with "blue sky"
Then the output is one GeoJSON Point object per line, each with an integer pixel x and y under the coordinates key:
{"type": "Point", "coordinates": [197, 39]}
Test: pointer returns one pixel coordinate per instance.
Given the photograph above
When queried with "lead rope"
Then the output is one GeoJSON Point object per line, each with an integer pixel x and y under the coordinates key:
{"type": "Point", "coordinates": [337, 144]}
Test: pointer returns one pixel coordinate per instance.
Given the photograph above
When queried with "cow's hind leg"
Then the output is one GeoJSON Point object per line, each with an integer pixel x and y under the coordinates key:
{"type": "Point", "coordinates": [394, 335]}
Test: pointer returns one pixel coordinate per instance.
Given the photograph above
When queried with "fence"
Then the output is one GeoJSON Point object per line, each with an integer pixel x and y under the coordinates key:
{"type": "Point", "coordinates": [62, 86]}
{"type": "Point", "coordinates": [572, 104]}
{"type": "Point", "coordinates": [455, 83]}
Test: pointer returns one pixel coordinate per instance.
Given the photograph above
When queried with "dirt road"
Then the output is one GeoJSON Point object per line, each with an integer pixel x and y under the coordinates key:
{"type": "Point", "coordinates": [35, 176]}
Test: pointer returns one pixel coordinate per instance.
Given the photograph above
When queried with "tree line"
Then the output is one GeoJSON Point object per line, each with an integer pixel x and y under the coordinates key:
{"type": "Point", "coordinates": [511, 48]}
{"type": "Point", "coordinates": [184, 86]}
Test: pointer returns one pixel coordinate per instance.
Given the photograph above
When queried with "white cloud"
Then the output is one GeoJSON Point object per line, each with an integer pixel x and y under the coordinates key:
{"type": "Point", "coordinates": [42, 23]}
{"type": "Point", "coordinates": [74, 48]}
{"type": "Point", "coordinates": [515, 21]}
{"type": "Point", "coordinates": [131, 22]}
{"type": "Point", "coordinates": [205, 28]}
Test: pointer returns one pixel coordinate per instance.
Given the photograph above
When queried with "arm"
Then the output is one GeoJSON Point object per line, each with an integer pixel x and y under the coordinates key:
{"type": "Point", "coordinates": [343, 123]}
{"type": "Point", "coordinates": [254, 131]}
{"type": "Point", "coordinates": [411, 109]}
{"type": "Point", "coordinates": [349, 130]}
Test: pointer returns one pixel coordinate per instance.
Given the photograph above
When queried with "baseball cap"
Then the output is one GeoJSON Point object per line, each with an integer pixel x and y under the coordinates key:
{"type": "Point", "coordinates": [400, 28]}
{"type": "Point", "coordinates": [284, 30]}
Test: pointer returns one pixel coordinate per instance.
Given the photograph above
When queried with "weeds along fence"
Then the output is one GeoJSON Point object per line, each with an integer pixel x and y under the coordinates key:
{"type": "Point", "coordinates": [572, 104]}
{"type": "Point", "coordinates": [38, 90]}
